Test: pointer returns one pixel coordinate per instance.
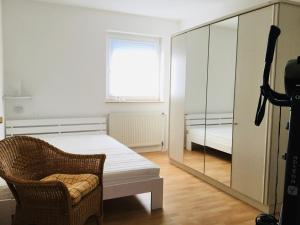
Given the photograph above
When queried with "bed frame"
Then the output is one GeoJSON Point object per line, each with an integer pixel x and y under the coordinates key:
{"type": "Point", "coordinates": [91, 125]}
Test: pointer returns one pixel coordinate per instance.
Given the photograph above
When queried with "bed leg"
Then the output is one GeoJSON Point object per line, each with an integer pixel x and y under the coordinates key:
{"type": "Point", "coordinates": [157, 195]}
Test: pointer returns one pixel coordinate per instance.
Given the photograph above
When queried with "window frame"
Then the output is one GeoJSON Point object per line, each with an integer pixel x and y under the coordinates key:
{"type": "Point", "coordinates": [133, 37]}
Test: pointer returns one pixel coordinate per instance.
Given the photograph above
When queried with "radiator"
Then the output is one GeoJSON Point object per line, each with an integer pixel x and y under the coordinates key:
{"type": "Point", "coordinates": [138, 129]}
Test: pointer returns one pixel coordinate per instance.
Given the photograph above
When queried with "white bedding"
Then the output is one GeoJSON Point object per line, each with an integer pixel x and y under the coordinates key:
{"type": "Point", "coordinates": [218, 137]}
{"type": "Point", "coordinates": [122, 164]}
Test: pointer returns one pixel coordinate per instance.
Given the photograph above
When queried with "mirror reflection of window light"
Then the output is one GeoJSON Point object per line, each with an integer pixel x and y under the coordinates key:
{"type": "Point", "coordinates": [134, 70]}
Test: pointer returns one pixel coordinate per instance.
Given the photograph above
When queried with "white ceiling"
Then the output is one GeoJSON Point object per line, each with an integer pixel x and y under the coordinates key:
{"type": "Point", "coordinates": [188, 12]}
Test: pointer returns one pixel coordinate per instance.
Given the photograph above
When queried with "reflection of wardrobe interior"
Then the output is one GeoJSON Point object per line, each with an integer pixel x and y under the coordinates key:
{"type": "Point", "coordinates": [216, 72]}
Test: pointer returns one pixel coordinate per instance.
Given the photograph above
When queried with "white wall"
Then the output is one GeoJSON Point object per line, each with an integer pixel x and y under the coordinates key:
{"type": "Point", "coordinates": [1, 81]}
{"type": "Point", "coordinates": [5, 209]}
{"type": "Point", "coordinates": [1, 75]}
{"type": "Point", "coordinates": [58, 53]}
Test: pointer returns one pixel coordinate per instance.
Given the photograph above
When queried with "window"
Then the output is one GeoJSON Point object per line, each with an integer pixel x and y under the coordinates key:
{"type": "Point", "coordinates": [133, 68]}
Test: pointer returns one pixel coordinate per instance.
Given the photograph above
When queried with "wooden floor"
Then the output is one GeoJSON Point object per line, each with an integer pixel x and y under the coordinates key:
{"type": "Point", "coordinates": [187, 201]}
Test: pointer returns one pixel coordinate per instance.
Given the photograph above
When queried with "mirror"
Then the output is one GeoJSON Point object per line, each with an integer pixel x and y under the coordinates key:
{"type": "Point", "coordinates": [220, 100]}
{"type": "Point", "coordinates": [195, 97]}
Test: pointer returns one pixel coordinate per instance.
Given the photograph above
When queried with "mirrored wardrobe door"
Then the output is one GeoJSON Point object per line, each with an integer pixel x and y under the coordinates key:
{"type": "Point", "coordinates": [195, 97]}
{"type": "Point", "coordinates": [220, 100]}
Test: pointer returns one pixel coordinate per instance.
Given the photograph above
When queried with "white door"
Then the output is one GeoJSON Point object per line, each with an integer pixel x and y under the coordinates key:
{"type": "Point", "coordinates": [249, 141]}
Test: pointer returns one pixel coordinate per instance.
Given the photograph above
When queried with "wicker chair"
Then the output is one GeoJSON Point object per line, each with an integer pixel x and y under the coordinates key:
{"type": "Point", "coordinates": [26, 160]}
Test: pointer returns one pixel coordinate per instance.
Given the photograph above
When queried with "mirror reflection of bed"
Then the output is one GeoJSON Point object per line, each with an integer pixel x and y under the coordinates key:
{"type": "Point", "coordinates": [218, 142]}
{"type": "Point", "coordinates": [220, 99]}
{"type": "Point", "coordinates": [194, 153]}
{"type": "Point", "coordinates": [195, 87]}
{"type": "Point", "coordinates": [210, 140]}
{"type": "Point", "coordinates": [209, 99]}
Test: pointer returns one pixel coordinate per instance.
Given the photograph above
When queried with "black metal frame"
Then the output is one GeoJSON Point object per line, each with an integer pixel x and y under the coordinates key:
{"type": "Point", "coordinates": [290, 211]}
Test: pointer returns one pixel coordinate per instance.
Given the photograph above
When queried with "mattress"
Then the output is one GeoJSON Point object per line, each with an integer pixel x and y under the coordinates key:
{"type": "Point", "coordinates": [218, 137]}
{"type": "Point", "coordinates": [122, 165]}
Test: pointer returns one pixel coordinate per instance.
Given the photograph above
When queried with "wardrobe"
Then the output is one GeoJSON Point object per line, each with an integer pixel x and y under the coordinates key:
{"type": "Point", "coordinates": [216, 73]}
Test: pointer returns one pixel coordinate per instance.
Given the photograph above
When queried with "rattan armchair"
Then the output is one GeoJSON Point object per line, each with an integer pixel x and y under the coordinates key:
{"type": "Point", "coordinates": [26, 160]}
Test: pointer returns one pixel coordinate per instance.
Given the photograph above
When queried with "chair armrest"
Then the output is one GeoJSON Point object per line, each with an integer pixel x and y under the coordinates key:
{"type": "Point", "coordinates": [63, 162]}
{"type": "Point", "coordinates": [49, 194]}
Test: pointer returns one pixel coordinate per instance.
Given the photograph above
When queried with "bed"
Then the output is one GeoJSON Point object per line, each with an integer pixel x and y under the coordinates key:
{"type": "Point", "coordinates": [214, 131]}
{"type": "Point", "coordinates": [125, 172]}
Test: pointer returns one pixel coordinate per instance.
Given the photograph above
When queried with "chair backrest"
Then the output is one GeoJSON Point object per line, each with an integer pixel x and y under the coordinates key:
{"type": "Point", "coordinates": [22, 158]}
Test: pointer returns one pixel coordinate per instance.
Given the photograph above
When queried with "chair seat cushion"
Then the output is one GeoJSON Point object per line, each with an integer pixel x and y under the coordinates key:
{"type": "Point", "coordinates": [78, 185]}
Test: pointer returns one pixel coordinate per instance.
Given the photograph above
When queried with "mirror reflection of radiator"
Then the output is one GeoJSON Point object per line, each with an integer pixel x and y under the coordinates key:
{"type": "Point", "coordinates": [142, 129]}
